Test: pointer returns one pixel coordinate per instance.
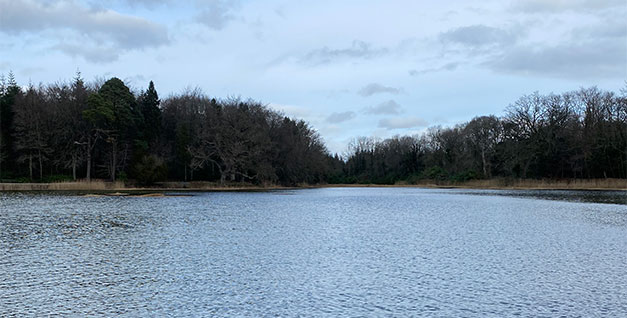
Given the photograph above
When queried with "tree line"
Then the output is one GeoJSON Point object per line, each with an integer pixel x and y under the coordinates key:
{"type": "Point", "coordinates": [65, 131]}
{"type": "Point", "coordinates": [74, 130]}
{"type": "Point", "coordinates": [579, 134]}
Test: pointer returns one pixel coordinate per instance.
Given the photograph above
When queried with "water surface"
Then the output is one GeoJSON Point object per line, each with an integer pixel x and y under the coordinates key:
{"type": "Point", "coordinates": [319, 252]}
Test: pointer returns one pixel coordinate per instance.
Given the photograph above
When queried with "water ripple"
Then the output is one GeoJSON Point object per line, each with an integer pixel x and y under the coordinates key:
{"type": "Point", "coordinates": [320, 252]}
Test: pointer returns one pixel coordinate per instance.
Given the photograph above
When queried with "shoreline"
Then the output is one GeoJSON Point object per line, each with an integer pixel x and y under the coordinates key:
{"type": "Point", "coordinates": [197, 186]}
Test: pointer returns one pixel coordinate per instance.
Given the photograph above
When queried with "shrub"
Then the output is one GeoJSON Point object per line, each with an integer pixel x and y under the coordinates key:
{"type": "Point", "coordinates": [57, 178]}
{"type": "Point", "coordinates": [435, 173]}
{"type": "Point", "coordinates": [149, 170]}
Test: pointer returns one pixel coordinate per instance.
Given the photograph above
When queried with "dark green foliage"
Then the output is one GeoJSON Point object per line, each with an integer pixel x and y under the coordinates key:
{"type": "Point", "coordinates": [9, 91]}
{"type": "Point", "coordinates": [149, 106]}
{"type": "Point", "coordinates": [435, 173]}
{"type": "Point", "coordinates": [150, 169]}
{"type": "Point", "coordinates": [114, 114]}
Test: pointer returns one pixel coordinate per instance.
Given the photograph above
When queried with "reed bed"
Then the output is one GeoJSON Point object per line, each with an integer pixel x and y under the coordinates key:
{"type": "Point", "coordinates": [101, 185]}
{"type": "Point", "coordinates": [565, 184]}
{"type": "Point", "coordinates": [80, 185]}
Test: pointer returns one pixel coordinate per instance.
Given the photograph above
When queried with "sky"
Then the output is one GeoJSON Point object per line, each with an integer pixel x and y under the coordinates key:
{"type": "Point", "coordinates": [350, 68]}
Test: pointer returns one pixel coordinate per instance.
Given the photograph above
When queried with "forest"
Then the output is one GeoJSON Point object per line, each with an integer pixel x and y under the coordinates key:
{"type": "Point", "coordinates": [102, 130]}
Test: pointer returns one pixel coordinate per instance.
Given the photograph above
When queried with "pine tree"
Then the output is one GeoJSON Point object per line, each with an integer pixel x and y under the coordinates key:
{"type": "Point", "coordinates": [149, 103]}
{"type": "Point", "coordinates": [7, 114]}
{"type": "Point", "coordinates": [114, 113]}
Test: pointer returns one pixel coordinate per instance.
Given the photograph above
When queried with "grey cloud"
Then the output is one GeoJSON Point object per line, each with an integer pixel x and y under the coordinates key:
{"type": "Point", "coordinates": [340, 117]}
{"type": "Point", "coordinates": [30, 71]}
{"type": "Point", "coordinates": [477, 36]}
{"type": "Point", "coordinates": [446, 67]}
{"type": "Point", "coordinates": [358, 49]}
{"type": "Point", "coordinates": [609, 29]}
{"type": "Point", "coordinates": [132, 3]}
{"type": "Point", "coordinates": [376, 88]}
{"type": "Point", "coordinates": [402, 122]}
{"type": "Point", "coordinates": [91, 54]}
{"type": "Point", "coordinates": [592, 51]}
{"type": "Point", "coordinates": [126, 32]}
{"type": "Point", "coordinates": [390, 107]}
{"type": "Point", "coordinates": [556, 6]}
{"type": "Point", "coordinates": [280, 11]}
{"type": "Point", "coordinates": [216, 14]}
{"type": "Point", "coordinates": [590, 59]}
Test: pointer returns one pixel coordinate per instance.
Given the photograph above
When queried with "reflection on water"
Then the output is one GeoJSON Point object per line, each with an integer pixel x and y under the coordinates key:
{"type": "Point", "coordinates": [613, 197]}
{"type": "Point", "coordinates": [320, 252]}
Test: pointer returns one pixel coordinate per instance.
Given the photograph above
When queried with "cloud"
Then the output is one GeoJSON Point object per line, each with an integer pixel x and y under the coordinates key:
{"type": "Point", "coordinates": [125, 31]}
{"type": "Point", "coordinates": [216, 14]}
{"type": "Point", "coordinates": [477, 36]}
{"type": "Point", "coordinates": [556, 6]}
{"type": "Point", "coordinates": [402, 122]}
{"type": "Point", "coordinates": [341, 117]}
{"type": "Point", "coordinates": [91, 54]}
{"type": "Point", "coordinates": [376, 88]}
{"type": "Point", "coordinates": [358, 49]}
{"type": "Point", "coordinates": [608, 29]}
{"type": "Point", "coordinates": [591, 51]}
{"type": "Point", "coordinates": [592, 59]}
{"type": "Point", "coordinates": [390, 107]}
{"type": "Point", "coordinates": [446, 67]}
{"type": "Point", "coordinates": [30, 71]}
{"type": "Point", "coordinates": [137, 3]}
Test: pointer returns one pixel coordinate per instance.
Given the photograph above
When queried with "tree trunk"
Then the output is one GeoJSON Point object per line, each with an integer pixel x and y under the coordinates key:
{"type": "Point", "coordinates": [41, 167]}
{"type": "Point", "coordinates": [30, 166]}
{"type": "Point", "coordinates": [88, 159]}
{"type": "Point", "coordinates": [485, 173]}
{"type": "Point", "coordinates": [114, 147]}
{"type": "Point", "coordinates": [74, 167]}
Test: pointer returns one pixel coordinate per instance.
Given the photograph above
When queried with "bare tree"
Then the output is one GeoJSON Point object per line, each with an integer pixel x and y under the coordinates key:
{"type": "Point", "coordinates": [484, 133]}
{"type": "Point", "coordinates": [32, 128]}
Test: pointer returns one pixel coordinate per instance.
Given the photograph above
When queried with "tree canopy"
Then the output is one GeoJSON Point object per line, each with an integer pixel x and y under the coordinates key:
{"type": "Point", "coordinates": [72, 130]}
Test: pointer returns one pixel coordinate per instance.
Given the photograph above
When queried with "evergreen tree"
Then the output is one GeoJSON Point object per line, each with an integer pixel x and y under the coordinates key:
{"type": "Point", "coordinates": [151, 113]}
{"type": "Point", "coordinates": [114, 113]}
{"type": "Point", "coordinates": [7, 114]}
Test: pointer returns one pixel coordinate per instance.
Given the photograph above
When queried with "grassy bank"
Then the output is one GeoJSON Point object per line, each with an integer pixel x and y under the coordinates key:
{"type": "Point", "coordinates": [523, 184]}
{"type": "Point", "coordinates": [99, 185]}
{"type": "Point", "coordinates": [543, 184]}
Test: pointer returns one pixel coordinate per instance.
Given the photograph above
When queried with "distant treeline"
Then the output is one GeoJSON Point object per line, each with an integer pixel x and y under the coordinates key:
{"type": "Point", "coordinates": [66, 131]}
{"type": "Point", "coordinates": [580, 134]}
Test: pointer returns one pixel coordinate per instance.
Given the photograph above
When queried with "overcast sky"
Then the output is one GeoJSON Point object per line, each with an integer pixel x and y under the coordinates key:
{"type": "Point", "coordinates": [350, 68]}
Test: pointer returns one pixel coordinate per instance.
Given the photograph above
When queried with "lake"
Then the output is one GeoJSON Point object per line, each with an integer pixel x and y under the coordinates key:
{"type": "Point", "coordinates": [354, 252]}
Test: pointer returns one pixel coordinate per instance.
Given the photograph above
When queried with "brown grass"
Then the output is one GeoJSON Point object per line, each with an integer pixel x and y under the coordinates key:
{"type": "Point", "coordinates": [566, 184]}
{"type": "Point", "coordinates": [100, 185]}
{"type": "Point", "coordinates": [543, 184]}
{"type": "Point", "coordinates": [546, 184]}
{"type": "Point", "coordinates": [81, 185]}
